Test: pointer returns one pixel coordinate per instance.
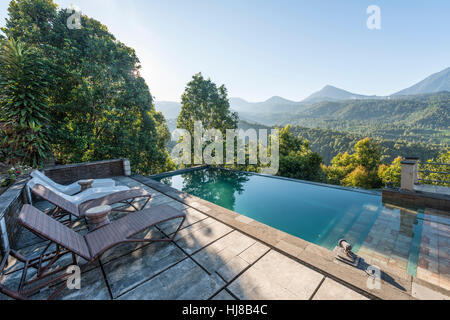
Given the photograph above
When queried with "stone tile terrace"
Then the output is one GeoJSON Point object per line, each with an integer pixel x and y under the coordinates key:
{"type": "Point", "coordinates": [209, 260]}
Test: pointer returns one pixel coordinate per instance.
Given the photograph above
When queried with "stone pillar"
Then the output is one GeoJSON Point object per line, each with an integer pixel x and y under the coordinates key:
{"type": "Point", "coordinates": [416, 168]}
{"type": "Point", "coordinates": [409, 174]}
{"type": "Point", "coordinates": [126, 167]}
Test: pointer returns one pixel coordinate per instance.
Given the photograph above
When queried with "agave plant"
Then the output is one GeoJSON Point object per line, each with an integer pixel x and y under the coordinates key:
{"type": "Point", "coordinates": [23, 108]}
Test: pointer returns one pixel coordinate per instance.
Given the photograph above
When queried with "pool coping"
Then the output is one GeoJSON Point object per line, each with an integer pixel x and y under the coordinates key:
{"type": "Point", "coordinates": [319, 184]}
{"type": "Point", "coordinates": [395, 285]}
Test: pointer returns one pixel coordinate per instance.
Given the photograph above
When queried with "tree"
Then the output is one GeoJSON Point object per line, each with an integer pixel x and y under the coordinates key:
{"type": "Point", "coordinates": [367, 154]}
{"type": "Point", "coordinates": [203, 101]}
{"type": "Point", "coordinates": [358, 178]}
{"type": "Point", "coordinates": [296, 158]}
{"type": "Point", "coordinates": [359, 169]}
{"type": "Point", "coordinates": [23, 104]}
{"type": "Point", "coordinates": [341, 166]}
{"type": "Point", "coordinates": [391, 174]}
{"type": "Point", "coordinates": [100, 106]}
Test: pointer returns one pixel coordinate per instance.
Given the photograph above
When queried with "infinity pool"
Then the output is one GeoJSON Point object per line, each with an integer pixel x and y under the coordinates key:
{"type": "Point", "coordinates": [316, 213]}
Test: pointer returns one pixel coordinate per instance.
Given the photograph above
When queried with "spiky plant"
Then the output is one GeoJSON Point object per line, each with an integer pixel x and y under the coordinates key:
{"type": "Point", "coordinates": [23, 104]}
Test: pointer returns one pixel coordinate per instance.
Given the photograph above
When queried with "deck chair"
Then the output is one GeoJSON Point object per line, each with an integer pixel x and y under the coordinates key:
{"type": "Point", "coordinates": [63, 206]}
{"type": "Point", "coordinates": [89, 247]}
{"type": "Point", "coordinates": [73, 188]}
{"type": "Point", "coordinates": [89, 194]}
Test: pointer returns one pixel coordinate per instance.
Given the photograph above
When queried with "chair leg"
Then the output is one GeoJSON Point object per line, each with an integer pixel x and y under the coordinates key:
{"type": "Point", "coordinates": [12, 293]}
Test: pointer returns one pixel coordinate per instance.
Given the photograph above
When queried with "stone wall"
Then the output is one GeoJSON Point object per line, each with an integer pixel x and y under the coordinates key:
{"type": "Point", "coordinates": [11, 202]}
{"type": "Point", "coordinates": [93, 170]}
{"type": "Point", "coordinates": [416, 200]}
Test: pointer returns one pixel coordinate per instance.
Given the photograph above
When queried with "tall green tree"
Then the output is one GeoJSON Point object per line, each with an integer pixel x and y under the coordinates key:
{"type": "Point", "coordinates": [23, 104]}
{"type": "Point", "coordinates": [203, 101]}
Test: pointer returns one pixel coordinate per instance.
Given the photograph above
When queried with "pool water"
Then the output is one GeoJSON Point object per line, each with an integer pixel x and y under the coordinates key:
{"type": "Point", "coordinates": [316, 213]}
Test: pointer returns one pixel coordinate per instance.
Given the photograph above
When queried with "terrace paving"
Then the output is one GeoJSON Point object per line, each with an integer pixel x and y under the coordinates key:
{"type": "Point", "coordinates": [211, 259]}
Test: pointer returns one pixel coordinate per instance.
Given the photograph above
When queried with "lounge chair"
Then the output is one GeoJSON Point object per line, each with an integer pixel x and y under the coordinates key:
{"type": "Point", "coordinates": [64, 206]}
{"type": "Point", "coordinates": [88, 194]}
{"type": "Point", "coordinates": [73, 188]}
{"type": "Point", "coordinates": [90, 247]}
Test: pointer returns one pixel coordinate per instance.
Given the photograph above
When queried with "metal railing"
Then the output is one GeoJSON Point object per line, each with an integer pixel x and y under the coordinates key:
{"type": "Point", "coordinates": [433, 172]}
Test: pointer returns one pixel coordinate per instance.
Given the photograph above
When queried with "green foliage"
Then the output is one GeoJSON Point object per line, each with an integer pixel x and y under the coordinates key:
{"type": "Point", "coordinates": [341, 166]}
{"type": "Point", "coordinates": [329, 143]}
{"type": "Point", "coordinates": [391, 174]}
{"type": "Point", "coordinates": [367, 154]}
{"type": "Point", "coordinates": [439, 173]}
{"type": "Point", "coordinates": [359, 169]}
{"type": "Point", "coordinates": [23, 104]}
{"type": "Point", "coordinates": [296, 158]}
{"type": "Point", "coordinates": [420, 118]}
{"type": "Point", "coordinates": [203, 101]}
{"type": "Point", "coordinates": [101, 107]}
{"type": "Point", "coordinates": [359, 177]}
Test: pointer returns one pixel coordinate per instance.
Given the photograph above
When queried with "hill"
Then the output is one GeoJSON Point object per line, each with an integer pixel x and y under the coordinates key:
{"type": "Point", "coordinates": [435, 83]}
{"type": "Point", "coordinates": [272, 105]}
{"type": "Point", "coordinates": [330, 93]}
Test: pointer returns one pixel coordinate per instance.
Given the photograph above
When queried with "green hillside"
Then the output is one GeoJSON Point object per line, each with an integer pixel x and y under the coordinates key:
{"type": "Point", "coordinates": [421, 118]}
{"type": "Point", "coordinates": [328, 143]}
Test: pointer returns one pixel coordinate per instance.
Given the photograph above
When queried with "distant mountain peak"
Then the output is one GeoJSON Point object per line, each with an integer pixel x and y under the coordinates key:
{"type": "Point", "coordinates": [437, 82]}
{"type": "Point", "coordinates": [332, 93]}
{"type": "Point", "coordinates": [278, 99]}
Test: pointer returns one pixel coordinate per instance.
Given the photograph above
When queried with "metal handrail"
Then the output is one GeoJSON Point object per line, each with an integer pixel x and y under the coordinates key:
{"type": "Point", "coordinates": [435, 181]}
{"type": "Point", "coordinates": [436, 164]}
{"type": "Point", "coordinates": [428, 171]}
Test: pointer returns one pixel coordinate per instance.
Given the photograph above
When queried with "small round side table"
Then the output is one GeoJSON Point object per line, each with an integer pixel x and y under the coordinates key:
{"type": "Point", "coordinates": [98, 217]}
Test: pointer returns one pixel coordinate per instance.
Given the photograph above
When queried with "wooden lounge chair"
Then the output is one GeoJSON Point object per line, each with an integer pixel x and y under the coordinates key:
{"type": "Point", "coordinates": [73, 188]}
{"type": "Point", "coordinates": [90, 247]}
{"type": "Point", "coordinates": [88, 194]}
{"type": "Point", "coordinates": [64, 207]}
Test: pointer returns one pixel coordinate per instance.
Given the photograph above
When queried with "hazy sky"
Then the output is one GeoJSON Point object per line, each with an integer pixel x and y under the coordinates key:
{"type": "Point", "coordinates": [289, 48]}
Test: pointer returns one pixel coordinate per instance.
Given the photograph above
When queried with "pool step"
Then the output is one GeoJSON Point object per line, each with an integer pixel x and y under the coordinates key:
{"type": "Point", "coordinates": [353, 227]}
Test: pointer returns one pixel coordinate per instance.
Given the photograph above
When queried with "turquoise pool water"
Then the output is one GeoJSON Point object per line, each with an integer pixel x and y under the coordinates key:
{"type": "Point", "coordinates": [318, 214]}
{"type": "Point", "coordinates": [388, 236]}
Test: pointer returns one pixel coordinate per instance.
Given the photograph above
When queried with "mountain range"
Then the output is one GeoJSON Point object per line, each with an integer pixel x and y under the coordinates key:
{"type": "Point", "coordinates": [437, 82]}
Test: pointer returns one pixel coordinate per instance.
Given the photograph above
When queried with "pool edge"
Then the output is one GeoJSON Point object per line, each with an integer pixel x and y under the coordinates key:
{"type": "Point", "coordinates": [302, 251]}
{"type": "Point", "coordinates": [319, 184]}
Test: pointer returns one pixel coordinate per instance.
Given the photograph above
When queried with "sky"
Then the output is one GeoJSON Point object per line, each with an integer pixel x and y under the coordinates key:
{"type": "Point", "coordinates": [288, 48]}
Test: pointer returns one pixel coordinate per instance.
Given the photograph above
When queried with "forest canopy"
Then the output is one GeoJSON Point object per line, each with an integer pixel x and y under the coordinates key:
{"type": "Point", "coordinates": [97, 104]}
